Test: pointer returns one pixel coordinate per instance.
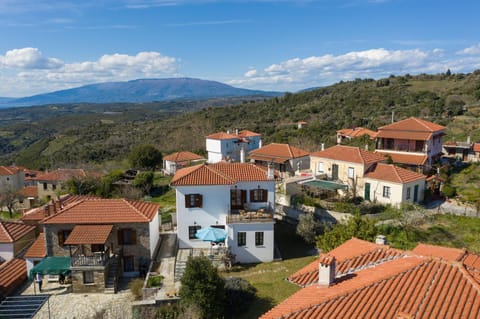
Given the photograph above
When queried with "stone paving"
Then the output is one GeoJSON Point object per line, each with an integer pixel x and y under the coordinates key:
{"type": "Point", "coordinates": [66, 305]}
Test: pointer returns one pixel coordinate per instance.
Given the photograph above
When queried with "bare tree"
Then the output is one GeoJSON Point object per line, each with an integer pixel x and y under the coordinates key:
{"type": "Point", "coordinates": [8, 199]}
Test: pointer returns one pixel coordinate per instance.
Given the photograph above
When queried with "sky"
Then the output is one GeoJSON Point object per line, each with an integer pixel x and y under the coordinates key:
{"type": "Point", "coordinates": [281, 45]}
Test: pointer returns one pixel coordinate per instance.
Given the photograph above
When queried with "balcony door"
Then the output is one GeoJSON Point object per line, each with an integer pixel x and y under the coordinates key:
{"type": "Point", "coordinates": [238, 198]}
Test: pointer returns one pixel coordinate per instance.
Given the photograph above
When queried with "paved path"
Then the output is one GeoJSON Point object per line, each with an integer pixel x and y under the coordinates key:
{"type": "Point", "coordinates": [166, 260]}
{"type": "Point", "coordinates": [445, 207]}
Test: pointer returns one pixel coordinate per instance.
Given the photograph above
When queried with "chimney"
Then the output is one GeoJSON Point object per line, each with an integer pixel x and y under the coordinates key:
{"type": "Point", "coordinates": [242, 155]}
{"type": "Point", "coordinates": [58, 206]}
{"type": "Point", "coordinates": [468, 139]}
{"type": "Point", "coordinates": [260, 143]}
{"type": "Point", "coordinates": [366, 147]}
{"type": "Point", "coordinates": [46, 210]}
{"type": "Point", "coordinates": [393, 116]}
{"type": "Point", "coordinates": [381, 240]}
{"type": "Point", "coordinates": [228, 131]}
{"type": "Point", "coordinates": [322, 146]}
{"type": "Point", "coordinates": [326, 270]}
{"type": "Point", "coordinates": [270, 171]}
{"type": "Point", "coordinates": [236, 131]}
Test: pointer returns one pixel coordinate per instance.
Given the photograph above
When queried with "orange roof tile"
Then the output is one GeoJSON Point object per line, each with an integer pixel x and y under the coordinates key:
{"type": "Point", "coordinates": [218, 174]}
{"type": "Point", "coordinates": [447, 253]}
{"type": "Point", "coordinates": [12, 231]}
{"type": "Point", "coordinates": [89, 234]}
{"type": "Point", "coordinates": [402, 158]}
{"type": "Point", "coordinates": [476, 147]}
{"type": "Point", "coordinates": [182, 157]}
{"type": "Point", "coordinates": [62, 174]}
{"type": "Point", "coordinates": [276, 151]}
{"type": "Point", "coordinates": [413, 124]}
{"type": "Point", "coordinates": [29, 191]}
{"type": "Point", "coordinates": [9, 170]}
{"type": "Point", "coordinates": [222, 136]}
{"type": "Point", "coordinates": [356, 132]}
{"type": "Point", "coordinates": [104, 211]}
{"type": "Point", "coordinates": [392, 173]}
{"type": "Point", "coordinates": [349, 154]}
{"type": "Point", "coordinates": [37, 250]}
{"type": "Point", "coordinates": [12, 274]}
{"type": "Point", "coordinates": [247, 133]}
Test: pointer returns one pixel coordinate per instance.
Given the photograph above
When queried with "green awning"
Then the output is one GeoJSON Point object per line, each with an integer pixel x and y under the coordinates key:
{"type": "Point", "coordinates": [52, 266]}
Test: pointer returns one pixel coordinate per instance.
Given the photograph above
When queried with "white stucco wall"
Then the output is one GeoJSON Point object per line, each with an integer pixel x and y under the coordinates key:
{"type": "Point", "coordinates": [154, 230]}
{"type": "Point", "coordinates": [250, 253]}
{"type": "Point", "coordinates": [6, 251]}
{"type": "Point", "coordinates": [398, 192]}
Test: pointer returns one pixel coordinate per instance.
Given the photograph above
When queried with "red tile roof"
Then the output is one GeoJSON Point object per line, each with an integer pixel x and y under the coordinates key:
{"type": "Point", "coordinates": [447, 253]}
{"type": "Point", "coordinates": [12, 274]}
{"type": "Point", "coordinates": [218, 174]}
{"type": "Point", "coordinates": [356, 132]}
{"type": "Point", "coordinates": [228, 136]}
{"type": "Point", "coordinates": [277, 152]}
{"type": "Point", "coordinates": [37, 250]}
{"type": "Point", "coordinates": [89, 234]}
{"type": "Point", "coordinates": [12, 231]}
{"type": "Point", "coordinates": [395, 174]}
{"type": "Point", "coordinates": [180, 157]}
{"type": "Point", "coordinates": [476, 147]}
{"type": "Point", "coordinates": [411, 128]}
{"type": "Point", "coordinates": [62, 174]}
{"type": "Point", "coordinates": [349, 154]}
{"type": "Point", "coordinates": [406, 286]}
{"type": "Point", "coordinates": [104, 211]}
{"type": "Point", "coordinates": [9, 170]}
{"type": "Point", "coordinates": [402, 158]}
{"type": "Point", "coordinates": [247, 133]}
{"type": "Point", "coordinates": [29, 191]}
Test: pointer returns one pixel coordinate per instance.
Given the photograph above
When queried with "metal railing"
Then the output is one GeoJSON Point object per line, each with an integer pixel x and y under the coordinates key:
{"type": "Point", "coordinates": [96, 259]}
{"type": "Point", "coordinates": [250, 217]}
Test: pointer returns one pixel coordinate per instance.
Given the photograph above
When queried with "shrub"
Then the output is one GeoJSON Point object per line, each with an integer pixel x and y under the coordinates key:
{"type": "Point", "coordinates": [239, 293]}
{"type": "Point", "coordinates": [448, 190]}
{"type": "Point", "coordinates": [154, 281]}
{"type": "Point", "coordinates": [136, 286]}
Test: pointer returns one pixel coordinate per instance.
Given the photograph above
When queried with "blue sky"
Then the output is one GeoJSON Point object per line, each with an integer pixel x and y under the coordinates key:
{"type": "Point", "coordinates": [48, 45]}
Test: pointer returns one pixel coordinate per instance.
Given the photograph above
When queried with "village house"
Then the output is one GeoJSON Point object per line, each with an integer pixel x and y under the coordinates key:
{"type": "Point", "coordinates": [363, 280]}
{"type": "Point", "coordinates": [12, 178]}
{"type": "Point", "coordinates": [178, 160]}
{"type": "Point", "coordinates": [103, 239]}
{"type": "Point", "coordinates": [52, 183]}
{"type": "Point", "coordinates": [285, 158]}
{"type": "Point", "coordinates": [231, 147]}
{"type": "Point", "coordinates": [413, 142]}
{"type": "Point", "coordinates": [356, 132]}
{"type": "Point", "coordinates": [236, 197]}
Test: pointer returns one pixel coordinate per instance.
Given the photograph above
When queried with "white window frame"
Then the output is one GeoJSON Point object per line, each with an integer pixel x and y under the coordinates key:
{"type": "Point", "coordinates": [387, 191]}
{"type": "Point", "coordinates": [351, 172]}
{"type": "Point", "coordinates": [320, 167]}
{"type": "Point", "coordinates": [408, 193]}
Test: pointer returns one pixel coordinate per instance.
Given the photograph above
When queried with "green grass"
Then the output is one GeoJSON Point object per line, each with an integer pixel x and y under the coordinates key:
{"type": "Point", "coordinates": [6, 216]}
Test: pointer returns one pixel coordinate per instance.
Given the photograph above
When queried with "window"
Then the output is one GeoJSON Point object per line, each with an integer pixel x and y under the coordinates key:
{"type": "Point", "coordinates": [128, 263]}
{"type": "Point", "coordinates": [45, 186]}
{"type": "Point", "coordinates": [238, 197]}
{"type": "Point", "coordinates": [88, 277]}
{"type": "Point", "coordinates": [54, 186]}
{"type": "Point", "coordinates": [259, 238]}
{"type": "Point", "coordinates": [241, 238]}
{"type": "Point", "coordinates": [351, 172]}
{"type": "Point", "coordinates": [193, 200]}
{"type": "Point", "coordinates": [386, 191]}
{"type": "Point", "coordinates": [320, 167]}
{"type": "Point", "coordinates": [62, 236]}
{"type": "Point", "coordinates": [258, 195]}
{"type": "Point", "coordinates": [408, 193]}
{"type": "Point", "coordinates": [127, 236]}
{"type": "Point", "coordinates": [192, 230]}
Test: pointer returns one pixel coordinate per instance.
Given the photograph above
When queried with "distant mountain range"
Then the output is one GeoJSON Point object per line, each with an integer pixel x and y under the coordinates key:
{"type": "Point", "coordinates": [142, 90]}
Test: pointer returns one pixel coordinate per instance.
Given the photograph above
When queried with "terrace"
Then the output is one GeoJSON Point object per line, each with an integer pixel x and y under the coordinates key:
{"type": "Point", "coordinates": [257, 216]}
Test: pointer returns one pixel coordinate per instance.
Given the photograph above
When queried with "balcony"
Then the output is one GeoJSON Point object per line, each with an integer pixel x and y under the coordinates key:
{"type": "Point", "coordinates": [100, 258]}
{"type": "Point", "coordinates": [259, 216]}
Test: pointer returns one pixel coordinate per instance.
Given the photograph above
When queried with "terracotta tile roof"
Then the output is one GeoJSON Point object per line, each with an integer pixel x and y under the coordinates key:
{"type": "Point", "coordinates": [180, 157]}
{"type": "Point", "coordinates": [9, 170]}
{"type": "Point", "coordinates": [471, 262]}
{"type": "Point", "coordinates": [12, 231]}
{"type": "Point", "coordinates": [476, 147]}
{"type": "Point", "coordinates": [277, 152]}
{"type": "Point", "coordinates": [392, 173]}
{"type": "Point", "coordinates": [218, 174]}
{"type": "Point", "coordinates": [353, 255]}
{"type": "Point", "coordinates": [104, 211]}
{"type": "Point", "coordinates": [12, 274]}
{"type": "Point", "coordinates": [402, 158]}
{"type": "Point", "coordinates": [447, 253]}
{"type": "Point", "coordinates": [62, 174]}
{"type": "Point", "coordinates": [29, 191]}
{"type": "Point", "coordinates": [357, 132]}
{"type": "Point", "coordinates": [228, 136]}
{"type": "Point", "coordinates": [37, 250]}
{"type": "Point", "coordinates": [349, 154]}
{"type": "Point", "coordinates": [89, 234]}
{"type": "Point", "coordinates": [247, 133]}
{"type": "Point", "coordinates": [413, 124]}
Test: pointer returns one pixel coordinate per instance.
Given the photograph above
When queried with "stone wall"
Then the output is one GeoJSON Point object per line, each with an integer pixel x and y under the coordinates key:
{"type": "Point", "coordinates": [98, 285]}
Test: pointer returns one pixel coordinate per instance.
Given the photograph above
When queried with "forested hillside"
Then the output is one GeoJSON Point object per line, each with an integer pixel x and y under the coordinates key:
{"type": "Point", "coordinates": [451, 100]}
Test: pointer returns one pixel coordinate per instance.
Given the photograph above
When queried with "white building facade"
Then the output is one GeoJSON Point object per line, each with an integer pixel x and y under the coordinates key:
{"type": "Point", "coordinates": [231, 147]}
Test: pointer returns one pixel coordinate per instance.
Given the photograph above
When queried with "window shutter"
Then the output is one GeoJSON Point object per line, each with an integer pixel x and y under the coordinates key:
{"type": "Point", "coordinates": [187, 201]}
{"type": "Point", "coordinates": [198, 200]}
{"type": "Point", "coordinates": [134, 236]}
{"type": "Point", "coordinates": [120, 236]}
{"type": "Point", "coordinates": [61, 239]}
{"type": "Point", "coordinates": [244, 196]}
{"type": "Point", "coordinates": [264, 195]}
{"type": "Point", "coordinates": [252, 195]}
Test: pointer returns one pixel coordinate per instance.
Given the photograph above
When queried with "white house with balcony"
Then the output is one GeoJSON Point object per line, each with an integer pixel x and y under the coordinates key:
{"type": "Point", "coordinates": [231, 147]}
{"type": "Point", "coordinates": [236, 197]}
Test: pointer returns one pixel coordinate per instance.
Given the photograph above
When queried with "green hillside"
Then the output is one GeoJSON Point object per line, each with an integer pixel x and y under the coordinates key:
{"type": "Point", "coordinates": [73, 139]}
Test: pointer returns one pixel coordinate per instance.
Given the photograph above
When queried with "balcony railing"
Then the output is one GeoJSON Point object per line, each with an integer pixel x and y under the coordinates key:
{"type": "Point", "coordinates": [250, 217]}
{"type": "Point", "coordinates": [96, 259]}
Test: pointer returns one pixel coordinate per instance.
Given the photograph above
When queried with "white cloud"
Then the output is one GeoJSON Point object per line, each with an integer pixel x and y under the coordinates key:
{"type": "Point", "coordinates": [250, 73]}
{"type": "Point", "coordinates": [473, 50]}
{"type": "Point", "coordinates": [298, 73]}
{"type": "Point", "coordinates": [26, 71]}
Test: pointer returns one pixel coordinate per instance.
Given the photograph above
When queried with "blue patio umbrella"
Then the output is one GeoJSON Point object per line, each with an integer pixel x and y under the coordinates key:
{"type": "Point", "coordinates": [211, 234]}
